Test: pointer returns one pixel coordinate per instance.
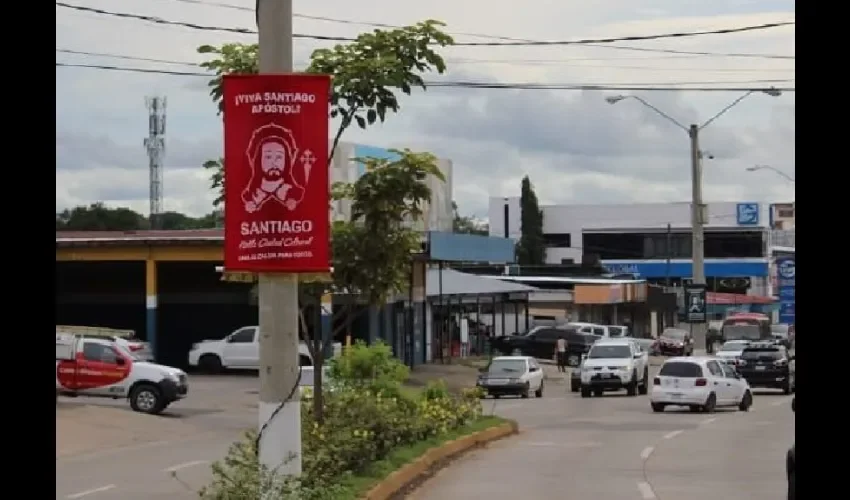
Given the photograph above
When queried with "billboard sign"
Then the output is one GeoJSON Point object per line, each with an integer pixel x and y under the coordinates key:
{"type": "Point", "coordinates": [786, 273]}
{"type": "Point", "coordinates": [276, 173]}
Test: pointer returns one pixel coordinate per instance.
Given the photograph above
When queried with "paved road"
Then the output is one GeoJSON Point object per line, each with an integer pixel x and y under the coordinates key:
{"type": "Point", "coordinates": [186, 439]}
{"type": "Point", "coordinates": [615, 448]}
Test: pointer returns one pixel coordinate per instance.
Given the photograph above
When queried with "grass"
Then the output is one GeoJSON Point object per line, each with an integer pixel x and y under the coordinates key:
{"type": "Point", "coordinates": [359, 485]}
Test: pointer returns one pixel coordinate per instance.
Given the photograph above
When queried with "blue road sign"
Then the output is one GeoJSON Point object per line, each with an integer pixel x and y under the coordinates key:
{"type": "Point", "coordinates": [786, 273]}
{"type": "Point", "coordinates": [748, 214]}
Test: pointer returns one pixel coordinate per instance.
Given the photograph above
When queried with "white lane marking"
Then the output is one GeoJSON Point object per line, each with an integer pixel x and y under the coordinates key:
{"type": "Point", "coordinates": [708, 421]}
{"type": "Point", "coordinates": [646, 491]}
{"type": "Point", "coordinates": [184, 465]}
{"type": "Point", "coordinates": [91, 491]}
{"type": "Point", "coordinates": [647, 452]}
{"type": "Point", "coordinates": [671, 435]}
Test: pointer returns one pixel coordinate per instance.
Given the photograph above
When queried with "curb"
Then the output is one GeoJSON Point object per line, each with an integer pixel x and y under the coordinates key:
{"type": "Point", "coordinates": [435, 458]}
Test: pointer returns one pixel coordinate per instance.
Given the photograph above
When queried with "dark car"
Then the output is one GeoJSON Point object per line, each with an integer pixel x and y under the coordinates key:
{"type": "Point", "coordinates": [791, 461]}
{"type": "Point", "coordinates": [768, 365]}
{"type": "Point", "coordinates": [675, 342]}
{"type": "Point", "coordinates": [540, 343]}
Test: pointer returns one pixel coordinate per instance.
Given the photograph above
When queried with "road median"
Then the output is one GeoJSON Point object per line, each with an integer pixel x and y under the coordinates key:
{"type": "Point", "coordinates": [400, 482]}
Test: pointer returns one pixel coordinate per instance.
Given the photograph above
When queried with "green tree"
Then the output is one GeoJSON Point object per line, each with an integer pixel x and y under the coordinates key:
{"type": "Point", "coordinates": [99, 217]}
{"type": "Point", "coordinates": [531, 249]}
{"type": "Point", "coordinates": [467, 225]}
{"type": "Point", "coordinates": [366, 73]}
{"type": "Point", "coordinates": [372, 252]}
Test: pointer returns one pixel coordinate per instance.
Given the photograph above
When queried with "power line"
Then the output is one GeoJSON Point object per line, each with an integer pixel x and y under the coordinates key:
{"type": "Point", "coordinates": [497, 37]}
{"type": "Point", "coordinates": [539, 43]}
{"type": "Point", "coordinates": [458, 61]}
{"type": "Point", "coordinates": [495, 85]}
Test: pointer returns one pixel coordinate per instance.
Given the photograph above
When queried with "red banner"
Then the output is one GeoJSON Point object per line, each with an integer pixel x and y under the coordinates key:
{"type": "Point", "coordinates": [276, 173]}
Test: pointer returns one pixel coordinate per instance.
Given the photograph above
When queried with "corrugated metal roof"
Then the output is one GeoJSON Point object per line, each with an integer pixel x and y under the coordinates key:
{"type": "Point", "coordinates": [458, 283]}
{"type": "Point", "coordinates": [87, 238]}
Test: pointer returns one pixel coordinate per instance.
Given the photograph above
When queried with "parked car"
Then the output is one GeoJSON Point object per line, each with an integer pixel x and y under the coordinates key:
{"type": "Point", "coordinates": [239, 350]}
{"type": "Point", "coordinates": [769, 365]}
{"type": "Point", "coordinates": [99, 367]}
{"type": "Point", "coordinates": [675, 342]}
{"type": "Point", "coordinates": [700, 383]}
{"type": "Point", "coordinates": [512, 375]}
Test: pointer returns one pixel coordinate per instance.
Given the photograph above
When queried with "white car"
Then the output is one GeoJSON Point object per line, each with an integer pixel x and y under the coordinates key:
{"type": "Point", "coordinates": [700, 383]}
{"type": "Point", "coordinates": [614, 364]}
{"type": "Point", "coordinates": [730, 352]}
{"type": "Point", "coordinates": [240, 350]}
{"type": "Point", "coordinates": [512, 375]}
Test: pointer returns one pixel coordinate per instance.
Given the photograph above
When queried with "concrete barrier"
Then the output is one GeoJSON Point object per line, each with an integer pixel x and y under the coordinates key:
{"type": "Point", "coordinates": [418, 470]}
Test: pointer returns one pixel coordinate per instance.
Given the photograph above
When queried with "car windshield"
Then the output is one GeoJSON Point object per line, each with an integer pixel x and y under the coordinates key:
{"type": "Point", "coordinates": [609, 351]}
{"type": "Point", "coordinates": [747, 332]}
{"type": "Point", "coordinates": [733, 346]}
{"type": "Point", "coordinates": [673, 334]}
{"type": "Point", "coordinates": [762, 354]}
{"type": "Point", "coordinates": [506, 366]}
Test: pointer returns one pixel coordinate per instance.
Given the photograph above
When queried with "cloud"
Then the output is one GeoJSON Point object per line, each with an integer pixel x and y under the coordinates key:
{"type": "Point", "coordinates": [575, 147]}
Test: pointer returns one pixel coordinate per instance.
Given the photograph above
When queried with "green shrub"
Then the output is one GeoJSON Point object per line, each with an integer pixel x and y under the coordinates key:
{"type": "Point", "coordinates": [366, 417]}
{"type": "Point", "coordinates": [369, 366]}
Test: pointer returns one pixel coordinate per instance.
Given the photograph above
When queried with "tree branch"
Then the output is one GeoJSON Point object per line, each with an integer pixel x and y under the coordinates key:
{"type": "Point", "coordinates": [347, 116]}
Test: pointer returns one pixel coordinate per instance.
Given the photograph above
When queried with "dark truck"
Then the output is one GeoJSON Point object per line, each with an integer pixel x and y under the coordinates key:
{"type": "Point", "coordinates": [540, 342]}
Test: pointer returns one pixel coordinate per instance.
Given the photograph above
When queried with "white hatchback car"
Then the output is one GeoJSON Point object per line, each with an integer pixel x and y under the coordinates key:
{"type": "Point", "coordinates": [700, 383]}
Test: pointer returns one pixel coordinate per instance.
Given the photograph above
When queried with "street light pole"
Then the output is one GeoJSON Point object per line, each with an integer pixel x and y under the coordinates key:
{"type": "Point", "coordinates": [698, 209]}
{"type": "Point", "coordinates": [280, 406]}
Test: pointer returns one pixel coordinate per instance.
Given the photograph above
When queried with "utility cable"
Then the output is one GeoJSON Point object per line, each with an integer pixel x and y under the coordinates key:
{"type": "Point", "coordinates": [491, 37]}
{"type": "Point", "coordinates": [540, 43]}
{"type": "Point", "coordinates": [514, 86]}
{"type": "Point", "coordinates": [454, 61]}
{"type": "Point", "coordinates": [278, 409]}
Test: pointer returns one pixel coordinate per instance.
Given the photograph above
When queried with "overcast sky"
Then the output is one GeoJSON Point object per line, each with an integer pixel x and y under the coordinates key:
{"type": "Point", "coordinates": [576, 147]}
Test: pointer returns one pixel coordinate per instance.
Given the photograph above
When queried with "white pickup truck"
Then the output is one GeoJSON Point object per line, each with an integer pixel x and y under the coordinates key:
{"type": "Point", "coordinates": [100, 367]}
{"type": "Point", "coordinates": [240, 350]}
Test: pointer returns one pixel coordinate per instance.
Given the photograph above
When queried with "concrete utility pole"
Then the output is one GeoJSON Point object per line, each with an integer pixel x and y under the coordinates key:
{"type": "Point", "coordinates": [280, 406]}
{"type": "Point", "coordinates": [698, 220]}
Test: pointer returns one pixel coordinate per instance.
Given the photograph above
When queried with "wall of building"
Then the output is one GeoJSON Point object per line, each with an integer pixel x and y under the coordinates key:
{"type": "Point", "coordinates": [437, 214]}
{"type": "Point", "coordinates": [573, 219]}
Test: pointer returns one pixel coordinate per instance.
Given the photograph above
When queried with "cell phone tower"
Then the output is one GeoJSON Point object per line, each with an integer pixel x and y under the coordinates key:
{"type": "Point", "coordinates": [155, 146]}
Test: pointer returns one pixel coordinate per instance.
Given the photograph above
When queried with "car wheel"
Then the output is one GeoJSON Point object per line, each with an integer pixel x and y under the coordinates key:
{"type": "Point", "coordinates": [146, 398]}
{"type": "Point", "coordinates": [585, 392]}
{"type": "Point", "coordinates": [525, 392]}
{"type": "Point", "coordinates": [632, 387]}
{"type": "Point", "coordinates": [746, 402]}
{"type": "Point", "coordinates": [210, 363]}
{"type": "Point", "coordinates": [575, 386]}
{"type": "Point", "coordinates": [657, 407]}
{"type": "Point", "coordinates": [539, 392]}
{"type": "Point", "coordinates": [643, 388]}
{"type": "Point", "coordinates": [597, 392]}
{"type": "Point", "coordinates": [695, 408]}
{"type": "Point", "coordinates": [710, 404]}
{"type": "Point", "coordinates": [497, 396]}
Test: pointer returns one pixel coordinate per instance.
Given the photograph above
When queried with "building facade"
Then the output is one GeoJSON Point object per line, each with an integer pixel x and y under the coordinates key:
{"type": "Point", "coordinates": [652, 241]}
{"type": "Point", "coordinates": [437, 214]}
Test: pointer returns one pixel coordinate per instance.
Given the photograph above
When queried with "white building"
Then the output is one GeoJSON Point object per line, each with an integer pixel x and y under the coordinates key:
{"type": "Point", "coordinates": [653, 240]}
{"type": "Point", "coordinates": [438, 214]}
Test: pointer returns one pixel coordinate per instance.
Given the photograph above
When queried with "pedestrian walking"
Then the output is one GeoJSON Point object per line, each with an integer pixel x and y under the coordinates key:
{"type": "Point", "coordinates": [561, 353]}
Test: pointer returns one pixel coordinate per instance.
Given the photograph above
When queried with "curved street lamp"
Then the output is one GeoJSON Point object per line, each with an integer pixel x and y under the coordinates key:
{"type": "Point", "coordinates": [756, 168]}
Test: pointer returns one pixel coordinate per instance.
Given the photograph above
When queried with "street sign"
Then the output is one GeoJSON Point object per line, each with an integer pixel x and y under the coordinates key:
{"type": "Point", "coordinates": [786, 270]}
{"type": "Point", "coordinates": [748, 214]}
{"type": "Point", "coordinates": [695, 303]}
